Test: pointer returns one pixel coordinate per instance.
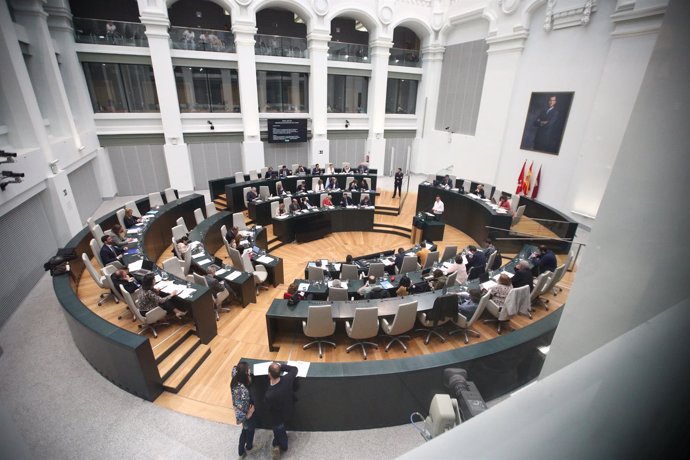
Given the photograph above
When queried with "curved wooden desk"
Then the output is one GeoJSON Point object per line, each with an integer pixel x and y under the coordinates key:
{"type": "Point", "coordinates": [311, 225]}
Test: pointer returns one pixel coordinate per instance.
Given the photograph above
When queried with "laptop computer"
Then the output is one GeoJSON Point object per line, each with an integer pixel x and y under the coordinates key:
{"type": "Point", "coordinates": [146, 268]}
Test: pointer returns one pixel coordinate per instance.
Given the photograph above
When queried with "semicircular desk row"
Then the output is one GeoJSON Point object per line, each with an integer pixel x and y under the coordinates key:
{"type": "Point", "coordinates": [127, 359]}
{"type": "Point", "coordinates": [479, 220]}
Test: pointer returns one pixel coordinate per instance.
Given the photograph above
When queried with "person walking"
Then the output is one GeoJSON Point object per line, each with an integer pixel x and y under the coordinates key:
{"type": "Point", "coordinates": [243, 405]}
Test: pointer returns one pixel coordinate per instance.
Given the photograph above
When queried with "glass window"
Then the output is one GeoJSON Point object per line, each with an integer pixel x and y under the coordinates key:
{"type": "Point", "coordinates": [121, 87]}
{"type": "Point", "coordinates": [347, 94]}
{"type": "Point", "coordinates": [401, 96]}
{"type": "Point", "coordinates": [283, 91]}
{"type": "Point", "coordinates": [200, 89]}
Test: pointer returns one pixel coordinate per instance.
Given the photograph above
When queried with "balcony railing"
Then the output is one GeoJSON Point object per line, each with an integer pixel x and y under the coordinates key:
{"type": "Point", "coordinates": [104, 32]}
{"type": "Point", "coordinates": [350, 52]}
{"type": "Point", "coordinates": [191, 38]}
{"type": "Point", "coordinates": [407, 58]}
{"type": "Point", "coordinates": [276, 45]}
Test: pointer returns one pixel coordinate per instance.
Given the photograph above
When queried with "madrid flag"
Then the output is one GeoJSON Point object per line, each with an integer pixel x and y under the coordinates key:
{"type": "Point", "coordinates": [522, 175]}
{"type": "Point", "coordinates": [535, 189]}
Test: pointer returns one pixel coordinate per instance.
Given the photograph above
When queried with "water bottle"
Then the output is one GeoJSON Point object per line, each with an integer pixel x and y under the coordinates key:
{"type": "Point", "coordinates": [164, 275]}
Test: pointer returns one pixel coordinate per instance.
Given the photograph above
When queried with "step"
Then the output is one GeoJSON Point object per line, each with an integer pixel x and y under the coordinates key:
{"type": "Point", "coordinates": [176, 381]}
{"type": "Point", "coordinates": [177, 357]}
{"type": "Point", "coordinates": [164, 349]}
{"type": "Point", "coordinates": [387, 208]}
{"type": "Point", "coordinates": [392, 232]}
{"type": "Point", "coordinates": [393, 227]}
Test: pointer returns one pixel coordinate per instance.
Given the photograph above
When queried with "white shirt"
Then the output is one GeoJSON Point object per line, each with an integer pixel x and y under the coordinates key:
{"type": "Point", "coordinates": [438, 207]}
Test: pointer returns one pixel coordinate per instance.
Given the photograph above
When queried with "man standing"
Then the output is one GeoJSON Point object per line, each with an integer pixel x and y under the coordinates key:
{"type": "Point", "coordinates": [438, 207]}
{"type": "Point", "coordinates": [397, 183]}
{"type": "Point", "coordinates": [546, 137]}
{"type": "Point", "coordinates": [280, 402]}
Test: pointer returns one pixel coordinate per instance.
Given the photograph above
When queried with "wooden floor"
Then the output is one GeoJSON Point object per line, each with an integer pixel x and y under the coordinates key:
{"type": "Point", "coordinates": [242, 331]}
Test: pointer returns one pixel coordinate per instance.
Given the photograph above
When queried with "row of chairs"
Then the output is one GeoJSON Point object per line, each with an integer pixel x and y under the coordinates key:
{"type": "Point", "coordinates": [264, 194]}
{"type": "Point", "coordinates": [241, 261]}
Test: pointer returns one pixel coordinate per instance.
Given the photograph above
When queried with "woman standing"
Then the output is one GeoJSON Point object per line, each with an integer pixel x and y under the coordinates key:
{"type": "Point", "coordinates": [243, 405]}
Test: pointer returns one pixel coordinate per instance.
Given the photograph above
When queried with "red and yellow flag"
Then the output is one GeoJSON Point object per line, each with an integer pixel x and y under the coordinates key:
{"type": "Point", "coordinates": [526, 183]}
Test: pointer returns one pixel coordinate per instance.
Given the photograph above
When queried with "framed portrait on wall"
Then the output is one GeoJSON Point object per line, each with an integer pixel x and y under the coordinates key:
{"type": "Point", "coordinates": [547, 116]}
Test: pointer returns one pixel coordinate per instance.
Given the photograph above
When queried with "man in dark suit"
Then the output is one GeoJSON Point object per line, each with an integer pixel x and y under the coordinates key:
{"type": "Point", "coordinates": [316, 171]}
{"type": "Point", "coordinates": [252, 195]}
{"type": "Point", "coordinates": [122, 278]}
{"type": "Point", "coordinates": [284, 171]}
{"type": "Point", "coordinates": [109, 252]}
{"type": "Point", "coordinates": [232, 234]}
{"type": "Point", "coordinates": [544, 260]}
{"type": "Point", "coordinates": [397, 182]}
{"type": "Point", "coordinates": [477, 260]}
{"type": "Point", "coordinates": [294, 206]}
{"type": "Point", "coordinates": [363, 168]}
{"type": "Point", "coordinates": [545, 140]}
{"type": "Point", "coordinates": [523, 276]}
{"type": "Point", "coordinates": [347, 200]}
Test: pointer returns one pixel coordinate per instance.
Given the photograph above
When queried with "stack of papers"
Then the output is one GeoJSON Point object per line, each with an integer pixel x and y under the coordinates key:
{"type": "Point", "coordinates": [134, 266]}
{"type": "Point", "coordinates": [221, 272]}
{"type": "Point", "coordinates": [387, 262]}
{"type": "Point", "coordinates": [510, 275]}
{"type": "Point", "coordinates": [186, 293]}
{"type": "Point", "coordinates": [488, 285]}
{"type": "Point", "coordinates": [303, 287]}
{"type": "Point", "coordinates": [196, 256]}
{"type": "Point", "coordinates": [265, 259]}
{"type": "Point", "coordinates": [203, 261]}
{"type": "Point", "coordinates": [233, 275]}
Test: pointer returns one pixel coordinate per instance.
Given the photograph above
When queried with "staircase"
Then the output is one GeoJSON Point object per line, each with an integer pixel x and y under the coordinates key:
{"type": "Point", "coordinates": [180, 359]}
{"type": "Point", "coordinates": [221, 202]}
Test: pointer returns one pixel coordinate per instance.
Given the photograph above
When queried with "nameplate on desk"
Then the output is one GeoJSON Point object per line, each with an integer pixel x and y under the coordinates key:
{"type": "Point", "coordinates": [233, 275]}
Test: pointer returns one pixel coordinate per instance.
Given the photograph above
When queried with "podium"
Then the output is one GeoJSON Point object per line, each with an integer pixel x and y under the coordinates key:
{"type": "Point", "coordinates": [425, 227]}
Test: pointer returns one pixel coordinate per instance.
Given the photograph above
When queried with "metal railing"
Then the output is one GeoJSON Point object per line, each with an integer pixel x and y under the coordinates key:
{"type": "Point", "coordinates": [277, 45]}
{"type": "Point", "coordinates": [349, 52]}
{"type": "Point", "coordinates": [403, 57]}
{"type": "Point", "coordinates": [105, 32]}
{"type": "Point", "coordinates": [196, 39]}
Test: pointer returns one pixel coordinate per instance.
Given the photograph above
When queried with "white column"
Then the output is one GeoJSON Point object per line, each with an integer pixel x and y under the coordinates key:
{"type": "Point", "coordinates": [427, 100]}
{"type": "Point", "coordinates": [379, 51]}
{"type": "Point", "coordinates": [318, 96]}
{"type": "Point", "coordinates": [46, 75]}
{"type": "Point", "coordinates": [176, 153]}
{"type": "Point", "coordinates": [252, 147]}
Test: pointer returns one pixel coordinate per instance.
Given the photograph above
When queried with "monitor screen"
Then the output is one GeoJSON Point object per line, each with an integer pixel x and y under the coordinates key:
{"type": "Point", "coordinates": [287, 131]}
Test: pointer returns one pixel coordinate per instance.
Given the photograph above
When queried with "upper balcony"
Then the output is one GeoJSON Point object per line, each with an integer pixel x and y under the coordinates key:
{"type": "Point", "coordinates": [404, 57]}
{"type": "Point", "coordinates": [277, 45]}
{"type": "Point", "coordinates": [106, 32]}
{"type": "Point", "coordinates": [348, 52]}
{"type": "Point", "coordinates": [198, 39]}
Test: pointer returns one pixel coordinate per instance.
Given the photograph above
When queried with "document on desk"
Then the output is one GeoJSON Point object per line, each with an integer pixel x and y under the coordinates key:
{"type": "Point", "coordinates": [489, 284]}
{"type": "Point", "coordinates": [303, 287]}
{"type": "Point", "coordinates": [261, 368]}
{"type": "Point", "coordinates": [196, 256]}
{"type": "Point", "coordinates": [172, 287]}
{"type": "Point", "coordinates": [342, 284]}
{"type": "Point", "coordinates": [204, 261]}
{"type": "Point", "coordinates": [160, 285]}
{"type": "Point", "coordinates": [134, 266]}
{"type": "Point", "coordinates": [221, 272]}
{"type": "Point", "coordinates": [133, 231]}
{"type": "Point", "coordinates": [302, 367]}
{"type": "Point", "coordinates": [387, 262]}
{"type": "Point", "coordinates": [501, 211]}
{"type": "Point", "coordinates": [187, 293]}
{"type": "Point", "coordinates": [265, 259]}
{"type": "Point", "coordinates": [336, 267]}
{"type": "Point", "coordinates": [233, 275]}
{"type": "Point", "coordinates": [132, 240]}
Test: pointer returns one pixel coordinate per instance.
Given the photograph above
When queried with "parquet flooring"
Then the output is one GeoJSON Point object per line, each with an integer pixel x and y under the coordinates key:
{"type": "Point", "coordinates": [242, 331]}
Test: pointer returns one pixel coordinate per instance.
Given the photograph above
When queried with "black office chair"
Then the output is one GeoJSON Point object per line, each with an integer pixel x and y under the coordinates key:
{"type": "Point", "coordinates": [475, 272]}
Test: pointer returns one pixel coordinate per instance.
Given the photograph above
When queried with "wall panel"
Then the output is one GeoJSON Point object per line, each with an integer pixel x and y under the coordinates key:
{"type": "Point", "coordinates": [85, 190]}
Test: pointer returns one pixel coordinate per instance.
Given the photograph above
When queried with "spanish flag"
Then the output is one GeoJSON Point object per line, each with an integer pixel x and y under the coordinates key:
{"type": "Point", "coordinates": [526, 182]}
{"type": "Point", "coordinates": [520, 179]}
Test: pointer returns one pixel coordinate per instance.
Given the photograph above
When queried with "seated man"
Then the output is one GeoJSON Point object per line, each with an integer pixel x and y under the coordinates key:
{"type": "Point", "coordinates": [301, 170]}
{"type": "Point", "coordinates": [479, 190]}
{"type": "Point", "coordinates": [353, 185]}
{"type": "Point", "coordinates": [477, 260]}
{"type": "Point", "coordinates": [369, 286]}
{"type": "Point", "coordinates": [332, 184]}
{"type": "Point", "coordinates": [363, 168]}
{"type": "Point", "coordinates": [109, 252]}
{"type": "Point", "coordinates": [252, 195]}
{"type": "Point", "coordinates": [284, 171]}
{"type": "Point", "coordinates": [294, 206]}
{"type": "Point", "coordinates": [523, 275]}
{"type": "Point", "coordinates": [446, 182]}
{"type": "Point", "coordinates": [301, 187]}
{"type": "Point", "coordinates": [544, 260]}
{"type": "Point", "coordinates": [439, 281]}
{"type": "Point", "coordinates": [347, 200]}
{"type": "Point", "coordinates": [305, 204]}
{"type": "Point", "coordinates": [468, 302]}
{"type": "Point", "coordinates": [316, 170]}
{"type": "Point", "coordinates": [216, 287]}
{"type": "Point", "coordinates": [281, 210]}
{"type": "Point", "coordinates": [399, 258]}
{"type": "Point", "coordinates": [232, 234]}
{"type": "Point", "coordinates": [122, 278]}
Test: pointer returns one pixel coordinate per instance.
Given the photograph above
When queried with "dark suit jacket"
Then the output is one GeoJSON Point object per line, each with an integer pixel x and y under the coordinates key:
{"type": "Point", "coordinates": [399, 260]}
{"type": "Point", "coordinates": [251, 196]}
{"type": "Point", "coordinates": [398, 178]}
{"type": "Point", "coordinates": [130, 221]}
{"type": "Point", "coordinates": [547, 262]}
{"type": "Point", "coordinates": [109, 254]}
{"type": "Point", "coordinates": [130, 286]}
{"type": "Point", "coordinates": [346, 201]}
{"type": "Point", "coordinates": [477, 260]}
{"type": "Point", "coordinates": [523, 278]}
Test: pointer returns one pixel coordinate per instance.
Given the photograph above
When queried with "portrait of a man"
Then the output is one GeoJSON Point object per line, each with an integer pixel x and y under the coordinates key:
{"type": "Point", "coordinates": [546, 119]}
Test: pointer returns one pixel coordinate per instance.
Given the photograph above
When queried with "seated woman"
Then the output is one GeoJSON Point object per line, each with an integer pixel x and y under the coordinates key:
{"type": "Point", "coordinates": [439, 281]}
{"type": "Point", "coordinates": [501, 290]}
{"type": "Point", "coordinates": [183, 245]}
{"type": "Point", "coordinates": [301, 170]}
{"type": "Point", "coordinates": [365, 201]}
{"type": "Point", "coordinates": [346, 168]}
{"type": "Point", "coordinates": [353, 185]}
{"type": "Point", "coordinates": [329, 169]}
{"type": "Point", "coordinates": [301, 187]}
{"type": "Point", "coordinates": [459, 268]}
{"type": "Point", "coordinates": [503, 203]}
{"type": "Point", "coordinates": [293, 293]}
{"type": "Point", "coordinates": [281, 211]}
{"type": "Point", "coordinates": [149, 298]}
{"type": "Point", "coordinates": [363, 184]}
{"type": "Point", "coordinates": [479, 191]}
{"type": "Point", "coordinates": [327, 201]}
{"type": "Point", "coordinates": [280, 191]}
{"type": "Point", "coordinates": [119, 235]}
{"type": "Point", "coordinates": [232, 234]}
{"type": "Point", "coordinates": [332, 184]}
{"type": "Point", "coordinates": [130, 219]}
{"type": "Point", "coordinates": [319, 186]}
